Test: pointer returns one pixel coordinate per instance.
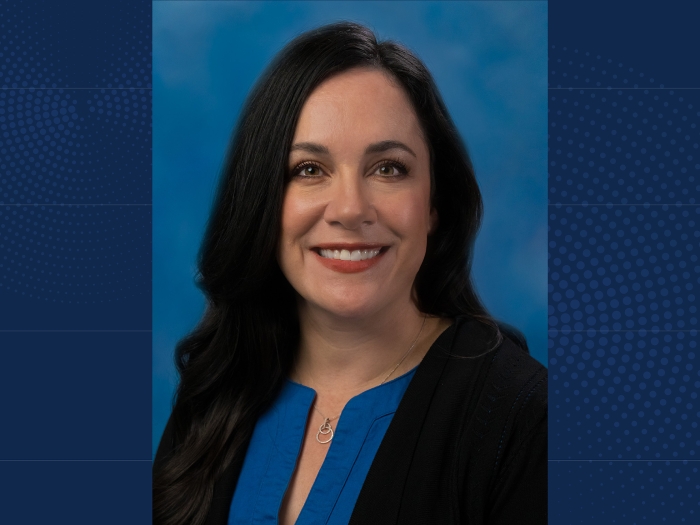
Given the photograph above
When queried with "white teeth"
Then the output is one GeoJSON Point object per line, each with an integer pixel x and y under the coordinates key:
{"type": "Point", "coordinates": [347, 255]}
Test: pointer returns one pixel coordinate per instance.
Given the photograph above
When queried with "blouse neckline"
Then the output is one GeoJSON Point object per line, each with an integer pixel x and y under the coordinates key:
{"type": "Point", "coordinates": [276, 445]}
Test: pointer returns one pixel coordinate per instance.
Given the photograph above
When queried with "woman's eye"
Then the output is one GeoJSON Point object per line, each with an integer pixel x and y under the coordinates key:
{"type": "Point", "coordinates": [310, 171]}
{"type": "Point", "coordinates": [391, 170]}
{"type": "Point", "coordinates": [307, 170]}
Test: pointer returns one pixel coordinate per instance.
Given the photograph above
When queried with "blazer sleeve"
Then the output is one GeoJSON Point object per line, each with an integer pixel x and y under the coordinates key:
{"type": "Point", "coordinates": [520, 491]}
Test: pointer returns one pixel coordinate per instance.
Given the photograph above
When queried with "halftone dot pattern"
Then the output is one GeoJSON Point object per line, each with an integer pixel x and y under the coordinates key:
{"type": "Point", "coordinates": [633, 146]}
{"type": "Point", "coordinates": [112, 51]}
{"type": "Point", "coordinates": [625, 493]}
{"type": "Point", "coordinates": [25, 60]}
{"type": "Point", "coordinates": [624, 240]}
{"type": "Point", "coordinates": [571, 68]}
{"type": "Point", "coordinates": [75, 146]}
{"type": "Point", "coordinates": [75, 254]}
{"type": "Point", "coordinates": [623, 267]}
{"type": "Point", "coordinates": [129, 62]}
{"type": "Point", "coordinates": [624, 395]}
{"type": "Point", "coordinates": [61, 148]}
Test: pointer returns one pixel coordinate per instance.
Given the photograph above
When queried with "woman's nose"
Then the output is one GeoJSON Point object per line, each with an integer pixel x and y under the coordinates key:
{"type": "Point", "coordinates": [350, 204]}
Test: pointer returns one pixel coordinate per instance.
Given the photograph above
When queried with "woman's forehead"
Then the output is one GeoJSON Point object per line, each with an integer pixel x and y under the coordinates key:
{"type": "Point", "coordinates": [358, 106]}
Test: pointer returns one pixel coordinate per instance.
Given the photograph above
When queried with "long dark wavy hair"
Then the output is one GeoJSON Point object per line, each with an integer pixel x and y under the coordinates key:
{"type": "Point", "coordinates": [233, 364]}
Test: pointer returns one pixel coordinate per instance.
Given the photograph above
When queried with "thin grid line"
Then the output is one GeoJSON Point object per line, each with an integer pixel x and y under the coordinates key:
{"type": "Point", "coordinates": [621, 88]}
{"type": "Point", "coordinates": [71, 204]}
{"type": "Point", "coordinates": [73, 331]}
{"type": "Point", "coordinates": [618, 460]}
{"type": "Point", "coordinates": [622, 204]}
{"type": "Point", "coordinates": [641, 330]}
{"type": "Point", "coordinates": [74, 88]}
{"type": "Point", "coordinates": [73, 460]}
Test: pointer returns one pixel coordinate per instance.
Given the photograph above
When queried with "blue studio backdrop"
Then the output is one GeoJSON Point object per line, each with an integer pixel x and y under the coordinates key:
{"type": "Point", "coordinates": [489, 62]}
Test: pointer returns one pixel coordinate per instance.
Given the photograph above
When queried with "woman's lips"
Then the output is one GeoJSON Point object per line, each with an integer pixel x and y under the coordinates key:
{"type": "Point", "coordinates": [349, 258]}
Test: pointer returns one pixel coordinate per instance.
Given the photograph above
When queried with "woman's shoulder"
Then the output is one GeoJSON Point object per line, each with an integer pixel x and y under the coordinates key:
{"type": "Point", "coordinates": [474, 423]}
{"type": "Point", "coordinates": [493, 377]}
{"type": "Point", "coordinates": [489, 349]}
{"type": "Point", "coordinates": [503, 436]}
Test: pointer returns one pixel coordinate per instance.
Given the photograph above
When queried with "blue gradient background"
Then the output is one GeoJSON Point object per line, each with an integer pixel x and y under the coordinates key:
{"type": "Point", "coordinates": [489, 60]}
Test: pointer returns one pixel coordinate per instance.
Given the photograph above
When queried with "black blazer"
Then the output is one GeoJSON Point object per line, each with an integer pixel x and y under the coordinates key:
{"type": "Point", "coordinates": [467, 444]}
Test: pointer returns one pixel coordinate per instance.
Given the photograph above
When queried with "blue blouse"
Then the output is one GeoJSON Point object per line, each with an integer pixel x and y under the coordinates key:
{"type": "Point", "coordinates": [276, 444]}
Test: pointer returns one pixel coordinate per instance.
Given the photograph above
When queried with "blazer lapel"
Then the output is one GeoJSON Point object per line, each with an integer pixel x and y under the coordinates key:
{"type": "Point", "coordinates": [380, 498]}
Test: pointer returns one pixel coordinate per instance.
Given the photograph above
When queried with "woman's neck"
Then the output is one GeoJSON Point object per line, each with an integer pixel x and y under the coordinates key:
{"type": "Point", "coordinates": [343, 357]}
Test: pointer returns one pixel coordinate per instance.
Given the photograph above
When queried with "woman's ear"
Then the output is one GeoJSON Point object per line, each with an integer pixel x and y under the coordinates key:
{"type": "Point", "coordinates": [433, 221]}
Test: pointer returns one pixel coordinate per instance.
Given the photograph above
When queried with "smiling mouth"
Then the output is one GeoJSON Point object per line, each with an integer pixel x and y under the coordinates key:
{"type": "Point", "coordinates": [349, 258]}
{"type": "Point", "coordinates": [349, 255]}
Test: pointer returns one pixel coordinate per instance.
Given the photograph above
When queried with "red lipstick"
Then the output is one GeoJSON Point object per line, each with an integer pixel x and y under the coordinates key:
{"type": "Point", "coordinates": [370, 253]}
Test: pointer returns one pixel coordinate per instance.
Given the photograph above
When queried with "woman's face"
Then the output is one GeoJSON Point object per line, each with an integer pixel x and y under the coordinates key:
{"type": "Point", "coordinates": [356, 213]}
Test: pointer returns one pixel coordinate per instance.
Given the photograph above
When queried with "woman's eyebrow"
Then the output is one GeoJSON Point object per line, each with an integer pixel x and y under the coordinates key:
{"type": "Point", "coordinates": [310, 147]}
{"type": "Point", "coordinates": [385, 145]}
{"type": "Point", "coordinates": [377, 147]}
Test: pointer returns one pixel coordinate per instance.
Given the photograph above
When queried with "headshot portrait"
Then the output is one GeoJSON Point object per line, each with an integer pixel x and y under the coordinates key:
{"type": "Point", "coordinates": [349, 261]}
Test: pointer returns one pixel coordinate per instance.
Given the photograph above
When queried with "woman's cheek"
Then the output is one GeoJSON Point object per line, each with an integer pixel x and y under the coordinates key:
{"type": "Point", "coordinates": [408, 216]}
{"type": "Point", "coordinates": [300, 212]}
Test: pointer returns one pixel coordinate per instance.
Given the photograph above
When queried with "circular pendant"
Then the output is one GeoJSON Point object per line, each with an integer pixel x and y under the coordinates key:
{"type": "Point", "coordinates": [325, 430]}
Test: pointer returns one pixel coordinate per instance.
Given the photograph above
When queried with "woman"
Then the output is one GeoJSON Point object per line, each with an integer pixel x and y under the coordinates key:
{"type": "Point", "coordinates": [345, 370]}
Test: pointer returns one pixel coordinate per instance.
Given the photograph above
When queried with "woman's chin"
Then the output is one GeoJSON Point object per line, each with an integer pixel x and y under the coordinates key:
{"type": "Point", "coordinates": [354, 301]}
{"type": "Point", "coordinates": [351, 311]}
{"type": "Point", "coordinates": [347, 307]}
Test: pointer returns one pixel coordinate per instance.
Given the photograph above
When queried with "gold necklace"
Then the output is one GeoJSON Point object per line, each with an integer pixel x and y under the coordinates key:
{"type": "Point", "coordinates": [326, 430]}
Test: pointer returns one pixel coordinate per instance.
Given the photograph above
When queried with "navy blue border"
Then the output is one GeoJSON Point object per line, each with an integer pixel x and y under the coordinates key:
{"type": "Point", "coordinates": [75, 261]}
{"type": "Point", "coordinates": [624, 182]}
